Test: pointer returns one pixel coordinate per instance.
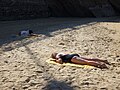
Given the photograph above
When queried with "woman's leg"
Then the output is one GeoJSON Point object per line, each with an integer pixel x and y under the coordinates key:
{"type": "Point", "coordinates": [81, 61]}
{"type": "Point", "coordinates": [94, 59]}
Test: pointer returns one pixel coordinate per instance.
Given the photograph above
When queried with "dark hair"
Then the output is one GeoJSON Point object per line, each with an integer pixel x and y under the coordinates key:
{"type": "Point", "coordinates": [30, 31]}
{"type": "Point", "coordinates": [54, 55]}
{"type": "Point", "coordinates": [19, 33]}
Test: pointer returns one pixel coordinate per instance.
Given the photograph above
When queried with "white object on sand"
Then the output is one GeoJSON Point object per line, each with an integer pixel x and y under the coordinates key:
{"type": "Point", "coordinates": [24, 33]}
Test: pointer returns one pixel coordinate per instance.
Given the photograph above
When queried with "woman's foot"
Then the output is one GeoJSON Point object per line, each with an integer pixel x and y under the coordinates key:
{"type": "Point", "coordinates": [102, 66]}
{"type": "Point", "coordinates": [105, 61]}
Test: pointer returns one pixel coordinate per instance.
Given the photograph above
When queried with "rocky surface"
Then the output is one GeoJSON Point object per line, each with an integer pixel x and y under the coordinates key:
{"type": "Point", "coordinates": [116, 4]}
{"type": "Point", "coordinates": [23, 66]}
{"type": "Point", "coordinates": [22, 9]}
{"type": "Point", "coordinates": [28, 9]}
{"type": "Point", "coordinates": [81, 8]}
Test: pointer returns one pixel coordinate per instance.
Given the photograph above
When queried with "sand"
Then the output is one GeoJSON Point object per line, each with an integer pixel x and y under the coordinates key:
{"type": "Point", "coordinates": [22, 61]}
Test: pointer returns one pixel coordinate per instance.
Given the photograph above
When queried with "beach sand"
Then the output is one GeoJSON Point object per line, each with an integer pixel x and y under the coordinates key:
{"type": "Point", "coordinates": [23, 61]}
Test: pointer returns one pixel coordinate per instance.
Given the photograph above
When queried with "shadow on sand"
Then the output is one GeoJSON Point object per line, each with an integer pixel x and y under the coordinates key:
{"type": "Point", "coordinates": [57, 85]}
{"type": "Point", "coordinates": [43, 27]}
{"type": "Point", "coordinates": [53, 84]}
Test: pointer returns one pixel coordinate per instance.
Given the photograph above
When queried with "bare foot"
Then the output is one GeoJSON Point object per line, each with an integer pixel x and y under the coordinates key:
{"type": "Point", "coordinates": [102, 66]}
{"type": "Point", "coordinates": [105, 61]}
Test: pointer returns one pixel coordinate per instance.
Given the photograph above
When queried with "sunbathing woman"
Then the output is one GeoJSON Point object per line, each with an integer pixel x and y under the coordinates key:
{"type": "Point", "coordinates": [77, 59]}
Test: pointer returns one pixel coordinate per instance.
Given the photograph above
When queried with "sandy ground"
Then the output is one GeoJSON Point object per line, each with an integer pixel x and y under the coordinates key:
{"type": "Point", "coordinates": [22, 61]}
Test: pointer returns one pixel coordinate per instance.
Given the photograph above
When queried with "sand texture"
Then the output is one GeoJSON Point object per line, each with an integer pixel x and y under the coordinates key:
{"type": "Point", "coordinates": [23, 61]}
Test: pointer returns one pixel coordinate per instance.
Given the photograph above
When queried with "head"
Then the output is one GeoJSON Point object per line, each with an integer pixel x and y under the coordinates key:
{"type": "Point", "coordinates": [57, 55]}
{"type": "Point", "coordinates": [54, 55]}
{"type": "Point", "coordinates": [30, 31]}
{"type": "Point", "coordinates": [19, 34]}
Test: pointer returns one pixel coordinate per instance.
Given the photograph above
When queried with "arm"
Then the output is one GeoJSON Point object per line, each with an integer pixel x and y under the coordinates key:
{"type": "Point", "coordinates": [34, 35]}
{"type": "Point", "coordinates": [59, 61]}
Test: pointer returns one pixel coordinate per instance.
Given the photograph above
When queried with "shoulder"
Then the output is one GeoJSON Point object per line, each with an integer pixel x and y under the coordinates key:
{"type": "Point", "coordinates": [60, 54]}
{"type": "Point", "coordinates": [24, 33]}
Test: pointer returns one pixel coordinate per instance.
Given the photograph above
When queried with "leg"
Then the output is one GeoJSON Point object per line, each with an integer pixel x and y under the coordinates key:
{"type": "Point", "coordinates": [34, 35]}
{"type": "Point", "coordinates": [94, 59]}
{"type": "Point", "coordinates": [81, 61]}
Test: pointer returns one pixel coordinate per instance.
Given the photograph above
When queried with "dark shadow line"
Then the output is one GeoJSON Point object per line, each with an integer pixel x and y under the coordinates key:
{"type": "Point", "coordinates": [39, 38]}
{"type": "Point", "coordinates": [56, 26]}
{"type": "Point", "coordinates": [52, 82]}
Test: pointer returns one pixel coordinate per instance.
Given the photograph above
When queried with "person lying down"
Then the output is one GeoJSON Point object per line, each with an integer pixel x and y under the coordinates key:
{"type": "Point", "coordinates": [77, 59]}
{"type": "Point", "coordinates": [26, 33]}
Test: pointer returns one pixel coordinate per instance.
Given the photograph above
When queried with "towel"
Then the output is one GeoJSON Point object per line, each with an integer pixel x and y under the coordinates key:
{"type": "Point", "coordinates": [51, 61]}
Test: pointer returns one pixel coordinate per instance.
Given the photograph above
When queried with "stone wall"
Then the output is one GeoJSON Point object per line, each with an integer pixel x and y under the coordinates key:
{"type": "Point", "coordinates": [68, 8]}
{"type": "Point", "coordinates": [27, 9]}
{"type": "Point", "coordinates": [82, 8]}
{"type": "Point", "coordinates": [23, 9]}
{"type": "Point", "coordinates": [115, 4]}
